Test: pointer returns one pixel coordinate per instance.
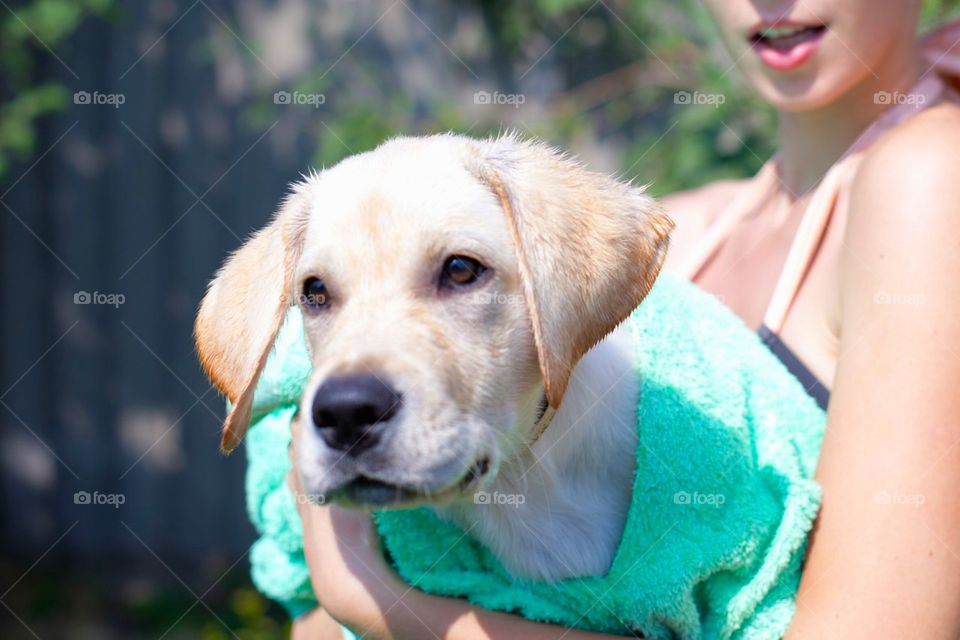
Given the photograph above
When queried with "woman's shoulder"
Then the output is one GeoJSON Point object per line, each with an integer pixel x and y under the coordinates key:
{"type": "Point", "coordinates": [694, 211]}
{"type": "Point", "coordinates": [904, 207]}
{"type": "Point", "coordinates": [916, 162]}
{"type": "Point", "coordinates": [922, 146]}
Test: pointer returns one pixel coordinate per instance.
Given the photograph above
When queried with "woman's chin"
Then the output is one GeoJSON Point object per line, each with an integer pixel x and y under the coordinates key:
{"type": "Point", "coordinates": [799, 92]}
{"type": "Point", "coordinates": [803, 99]}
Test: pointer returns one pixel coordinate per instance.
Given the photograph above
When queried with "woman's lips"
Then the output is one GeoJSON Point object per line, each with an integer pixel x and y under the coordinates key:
{"type": "Point", "coordinates": [784, 47]}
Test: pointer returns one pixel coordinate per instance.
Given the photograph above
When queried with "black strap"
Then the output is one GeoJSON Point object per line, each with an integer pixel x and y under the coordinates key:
{"type": "Point", "coordinates": [816, 389]}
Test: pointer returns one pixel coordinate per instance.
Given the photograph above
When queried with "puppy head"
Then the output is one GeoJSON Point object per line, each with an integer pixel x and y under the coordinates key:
{"type": "Point", "coordinates": [445, 285]}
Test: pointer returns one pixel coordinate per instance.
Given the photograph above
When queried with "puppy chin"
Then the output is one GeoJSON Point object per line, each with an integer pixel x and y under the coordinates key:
{"type": "Point", "coordinates": [397, 477]}
{"type": "Point", "coordinates": [320, 473]}
{"type": "Point", "coordinates": [319, 487]}
{"type": "Point", "coordinates": [387, 490]}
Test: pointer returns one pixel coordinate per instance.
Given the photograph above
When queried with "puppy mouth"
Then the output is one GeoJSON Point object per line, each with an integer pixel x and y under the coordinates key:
{"type": "Point", "coordinates": [376, 493]}
{"type": "Point", "coordinates": [365, 491]}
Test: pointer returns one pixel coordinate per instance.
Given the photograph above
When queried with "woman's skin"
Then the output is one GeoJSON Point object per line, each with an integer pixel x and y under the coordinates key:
{"type": "Point", "coordinates": [873, 570]}
{"type": "Point", "coordinates": [876, 568]}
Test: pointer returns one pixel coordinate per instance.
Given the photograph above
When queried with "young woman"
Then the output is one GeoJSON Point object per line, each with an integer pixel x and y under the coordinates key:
{"type": "Point", "coordinates": [844, 252]}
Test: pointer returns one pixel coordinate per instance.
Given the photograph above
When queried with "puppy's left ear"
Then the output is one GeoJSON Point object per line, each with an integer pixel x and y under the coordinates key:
{"type": "Point", "coordinates": [589, 247]}
{"type": "Point", "coordinates": [244, 308]}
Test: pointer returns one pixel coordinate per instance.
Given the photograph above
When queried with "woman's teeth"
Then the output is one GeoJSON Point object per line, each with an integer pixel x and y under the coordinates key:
{"type": "Point", "coordinates": [785, 38]}
{"type": "Point", "coordinates": [781, 32]}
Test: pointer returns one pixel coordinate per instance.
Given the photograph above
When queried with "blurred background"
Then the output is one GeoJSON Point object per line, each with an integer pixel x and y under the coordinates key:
{"type": "Point", "coordinates": [142, 141]}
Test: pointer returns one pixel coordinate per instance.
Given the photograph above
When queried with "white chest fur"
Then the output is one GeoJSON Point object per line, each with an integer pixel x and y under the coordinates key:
{"type": "Point", "coordinates": [558, 510]}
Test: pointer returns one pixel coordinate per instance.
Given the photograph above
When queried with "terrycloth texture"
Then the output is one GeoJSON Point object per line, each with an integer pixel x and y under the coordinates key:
{"type": "Point", "coordinates": [722, 501]}
{"type": "Point", "coordinates": [276, 558]}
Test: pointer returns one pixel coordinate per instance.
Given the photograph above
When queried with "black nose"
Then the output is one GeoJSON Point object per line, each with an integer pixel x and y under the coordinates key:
{"type": "Point", "coordinates": [349, 412]}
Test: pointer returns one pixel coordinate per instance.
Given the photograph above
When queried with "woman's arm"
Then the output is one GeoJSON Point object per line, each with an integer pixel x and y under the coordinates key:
{"type": "Point", "coordinates": [884, 561]}
{"type": "Point", "coordinates": [316, 625]}
{"type": "Point", "coordinates": [355, 586]}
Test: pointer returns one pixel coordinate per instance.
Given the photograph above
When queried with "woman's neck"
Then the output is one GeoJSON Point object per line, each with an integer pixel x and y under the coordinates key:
{"type": "Point", "coordinates": [811, 141]}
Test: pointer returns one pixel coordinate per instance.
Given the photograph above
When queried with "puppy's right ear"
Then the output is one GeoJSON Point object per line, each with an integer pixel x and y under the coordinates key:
{"type": "Point", "coordinates": [244, 308]}
{"type": "Point", "coordinates": [588, 247]}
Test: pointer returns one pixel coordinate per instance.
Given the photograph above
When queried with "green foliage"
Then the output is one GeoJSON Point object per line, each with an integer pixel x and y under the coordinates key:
{"type": "Point", "coordinates": [669, 43]}
{"type": "Point", "coordinates": [39, 26]}
{"type": "Point", "coordinates": [624, 63]}
{"type": "Point", "coordinates": [934, 11]}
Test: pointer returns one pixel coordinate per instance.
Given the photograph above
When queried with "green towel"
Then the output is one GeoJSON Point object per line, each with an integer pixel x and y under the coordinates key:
{"type": "Point", "coordinates": [723, 497]}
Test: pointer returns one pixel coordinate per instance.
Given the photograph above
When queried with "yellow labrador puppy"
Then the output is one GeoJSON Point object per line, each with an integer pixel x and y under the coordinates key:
{"type": "Point", "coordinates": [453, 294]}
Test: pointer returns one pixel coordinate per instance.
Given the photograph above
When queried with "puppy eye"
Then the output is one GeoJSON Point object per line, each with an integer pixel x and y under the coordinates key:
{"type": "Point", "coordinates": [313, 296]}
{"type": "Point", "coordinates": [460, 271]}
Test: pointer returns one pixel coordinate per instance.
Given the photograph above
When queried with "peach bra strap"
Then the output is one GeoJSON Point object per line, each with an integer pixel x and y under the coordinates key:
{"type": "Point", "coordinates": [806, 242]}
{"type": "Point", "coordinates": [763, 186]}
{"type": "Point", "coordinates": [816, 217]}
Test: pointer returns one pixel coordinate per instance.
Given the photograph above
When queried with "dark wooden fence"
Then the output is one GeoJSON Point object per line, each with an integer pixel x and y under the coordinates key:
{"type": "Point", "coordinates": [171, 153]}
{"type": "Point", "coordinates": [108, 240]}
{"type": "Point", "coordinates": [110, 233]}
